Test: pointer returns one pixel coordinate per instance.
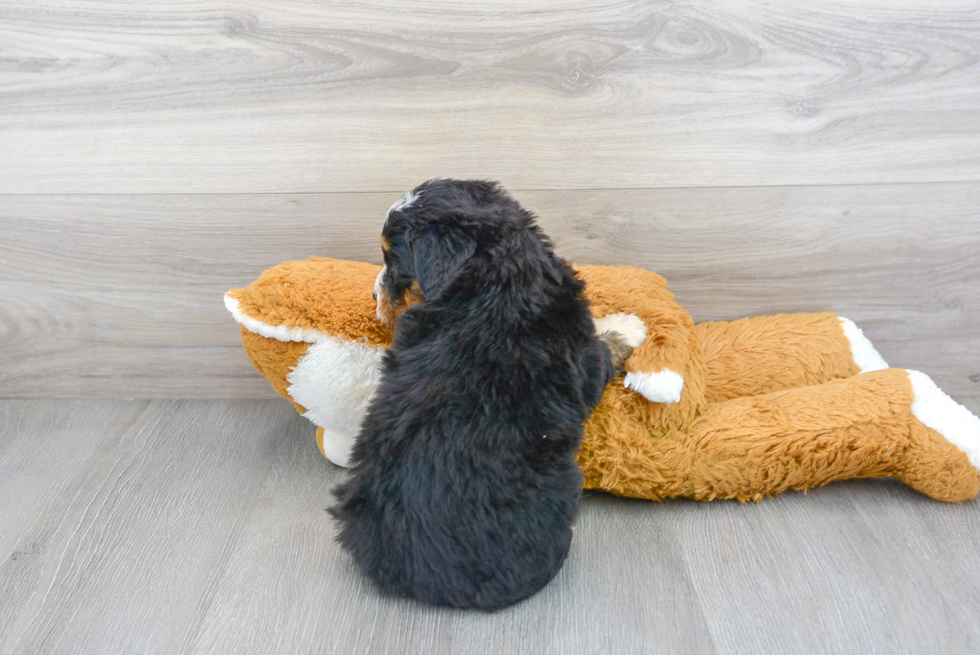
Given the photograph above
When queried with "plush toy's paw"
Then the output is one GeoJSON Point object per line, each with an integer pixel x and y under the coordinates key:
{"type": "Point", "coordinates": [662, 387]}
{"type": "Point", "coordinates": [630, 326]}
{"type": "Point", "coordinates": [335, 446]}
{"type": "Point", "coordinates": [864, 354]}
{"type": "Point", "coordinates": [953, 421]}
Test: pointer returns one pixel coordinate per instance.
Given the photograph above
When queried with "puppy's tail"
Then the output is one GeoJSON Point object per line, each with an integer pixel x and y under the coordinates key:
{"type": "Point", "coordinates": [622, 334]}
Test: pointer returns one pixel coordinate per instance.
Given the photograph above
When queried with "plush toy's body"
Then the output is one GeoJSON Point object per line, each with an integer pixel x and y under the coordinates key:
{"type": "Point", "coordinates": [742, 410]}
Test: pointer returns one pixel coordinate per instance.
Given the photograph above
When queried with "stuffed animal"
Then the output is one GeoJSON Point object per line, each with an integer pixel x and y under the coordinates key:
{"type": "Point", "coordinates": [743, 409]}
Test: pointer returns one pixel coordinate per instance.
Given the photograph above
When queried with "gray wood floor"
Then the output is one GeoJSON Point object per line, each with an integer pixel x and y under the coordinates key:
{"type": "Point", "coordinates": [200, 526]}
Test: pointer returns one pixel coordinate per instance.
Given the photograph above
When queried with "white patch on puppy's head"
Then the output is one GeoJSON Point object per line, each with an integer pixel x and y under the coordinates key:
{"type": "Point", "coordinates": [404, 202]}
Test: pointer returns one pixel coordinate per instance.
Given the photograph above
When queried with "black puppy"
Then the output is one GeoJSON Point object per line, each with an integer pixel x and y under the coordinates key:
{"type": "Point", "coordinates": [464, 484]}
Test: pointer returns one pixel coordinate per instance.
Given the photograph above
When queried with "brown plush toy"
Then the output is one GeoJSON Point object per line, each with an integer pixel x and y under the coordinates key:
{"type": "Point", "coordinates": [743, 410]}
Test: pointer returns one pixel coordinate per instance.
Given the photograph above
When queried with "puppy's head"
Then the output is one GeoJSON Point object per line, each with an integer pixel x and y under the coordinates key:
{"type": "Point", "coordinates": [429, 235]}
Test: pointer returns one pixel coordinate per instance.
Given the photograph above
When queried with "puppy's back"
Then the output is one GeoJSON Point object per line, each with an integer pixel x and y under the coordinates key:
{"type": "Point", "coordinates": [465, 487]}
{"type": "Point", "coordinates": [458, 529]}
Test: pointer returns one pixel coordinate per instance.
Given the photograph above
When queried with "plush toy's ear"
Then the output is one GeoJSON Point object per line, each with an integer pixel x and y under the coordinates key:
{"type": "Point", "coordinates": [439, 252]}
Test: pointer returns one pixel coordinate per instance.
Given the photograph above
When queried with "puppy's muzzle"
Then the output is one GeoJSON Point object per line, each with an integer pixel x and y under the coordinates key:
{"type": "Point", "coordinates": [384, 311]}
{"type": "Point", "coordinates": [389, 308]}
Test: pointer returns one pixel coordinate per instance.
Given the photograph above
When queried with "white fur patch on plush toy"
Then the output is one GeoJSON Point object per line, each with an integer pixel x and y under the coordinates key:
{"type": "Point", "coordinates": [661, 387]}
{"type": "Point", "coordinates": [277, 332]}
{"type": "Point", "coordinates": [864, 354]}
{"type": "Point", "coordinates": [956, 423]}
{"type": "Point", "coordinates": [630, 326]}
{"type": "Point", "coordinates": [337, 446]}
{"type": "Point", "coordinates": [334, 381]}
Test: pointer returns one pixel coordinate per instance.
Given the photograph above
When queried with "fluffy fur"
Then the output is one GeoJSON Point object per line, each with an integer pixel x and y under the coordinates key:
{"type": "Point", "coordinates": [464, 484]}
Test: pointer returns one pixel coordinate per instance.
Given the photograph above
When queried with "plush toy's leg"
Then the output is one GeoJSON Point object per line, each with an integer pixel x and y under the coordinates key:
{"type": "Point", "coordinates": [764, 354]}
{"type": "Point", "coordinates": [927, 468]}
{"type": "Point", "coordinates": [871, 425]}
{"type": "Point", "coordinates": [886, 423]}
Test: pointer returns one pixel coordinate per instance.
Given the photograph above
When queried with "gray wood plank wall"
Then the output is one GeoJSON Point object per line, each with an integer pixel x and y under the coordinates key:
{"type": "Point", "coordinates": [765, 157]}
{"type": "Point", "coordinates": [241, 96]}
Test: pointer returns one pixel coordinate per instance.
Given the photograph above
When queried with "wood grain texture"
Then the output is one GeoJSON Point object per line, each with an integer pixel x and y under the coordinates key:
{"type": "Point", "coordinates": [297, 96]}
{"type": "Point", "coordinates": [854, 565]}
{"type": "Point", "coordinates": [32, 477]}
{"type": "Point", "coordinates": [126, 556]}
{"type": "Point", "coordinates": [121, 295]}
{"type": "Point", "coordinates": [289, 588]}
{"type": "Point", "coordinates": [199, 527]}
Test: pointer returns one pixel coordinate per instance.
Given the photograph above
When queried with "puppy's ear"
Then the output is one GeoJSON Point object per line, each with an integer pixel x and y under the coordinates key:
{"type": "Point", "coordinates": [439, 253]}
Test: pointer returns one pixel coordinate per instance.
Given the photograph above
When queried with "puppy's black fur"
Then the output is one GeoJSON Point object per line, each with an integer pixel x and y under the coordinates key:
{"type": "Point", "coordinates": [464, 484]}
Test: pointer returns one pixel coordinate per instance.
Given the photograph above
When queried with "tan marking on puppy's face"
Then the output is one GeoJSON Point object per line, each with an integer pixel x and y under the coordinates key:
{"type": "Point", "coordinates": [384, 311]}
{"type": "Point", "coordinates": [387, 310]}
{"type": "Point", "coordinates": [395, 290]}
{"type": "Point", "coordinates": [415, 291]}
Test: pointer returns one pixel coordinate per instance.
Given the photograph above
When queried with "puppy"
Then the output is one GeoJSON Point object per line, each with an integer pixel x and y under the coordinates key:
{"type": "Point", "coordinates": [464, 484]}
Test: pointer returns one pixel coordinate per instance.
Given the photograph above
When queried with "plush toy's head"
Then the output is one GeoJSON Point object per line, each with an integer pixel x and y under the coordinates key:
{"type": "Point", "coordinates": [304, 300]}
{"type": "Point", "coordinates": [310, 328]}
